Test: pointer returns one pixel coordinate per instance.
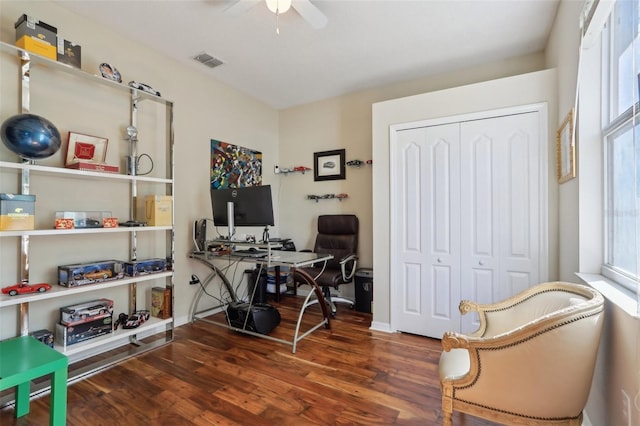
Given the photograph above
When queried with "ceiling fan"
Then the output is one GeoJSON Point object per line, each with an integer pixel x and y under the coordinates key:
{"type": "Point", "coordinates": [305, 9]}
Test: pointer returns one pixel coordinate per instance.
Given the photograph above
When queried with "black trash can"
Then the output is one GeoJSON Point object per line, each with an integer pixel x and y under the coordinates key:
{"type": "Point", "coordinates": [364, 290]}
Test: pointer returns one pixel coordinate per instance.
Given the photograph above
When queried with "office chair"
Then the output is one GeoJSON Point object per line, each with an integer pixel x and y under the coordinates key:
{"type": "Point", "coordinates": [338, 236]}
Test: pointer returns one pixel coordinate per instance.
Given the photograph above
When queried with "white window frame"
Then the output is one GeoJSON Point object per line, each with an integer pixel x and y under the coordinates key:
{"type": "Point", "coordinates": [611, 125]}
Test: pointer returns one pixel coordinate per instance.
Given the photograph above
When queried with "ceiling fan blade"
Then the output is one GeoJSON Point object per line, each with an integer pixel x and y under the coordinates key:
{"type": "Point", "coordinates": [310, 13]}
{"type": "Point", "coordinates": [240, 7]}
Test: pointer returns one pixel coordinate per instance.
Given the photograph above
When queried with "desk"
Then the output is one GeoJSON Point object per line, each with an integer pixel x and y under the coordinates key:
{"type": "Point", "coordinates": [23, 359]}
{"type": "Point", "coordinates": [293, 260]}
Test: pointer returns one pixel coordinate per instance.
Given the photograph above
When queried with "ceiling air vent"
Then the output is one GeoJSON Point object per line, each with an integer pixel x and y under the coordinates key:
{"type": "Point", "coordinates": [208, 60]}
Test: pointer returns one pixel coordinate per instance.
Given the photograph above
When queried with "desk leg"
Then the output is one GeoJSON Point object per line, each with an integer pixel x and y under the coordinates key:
{"type": "Point", "coordinates": [58, 416]}
{"type": "Point", "coordinates": [215, 272]}
{"type": "Point", "coordinates": [23, 390]}
{"type": "Point", "coordinates": [277, 271]}
{"type": "Point", "coordinates": [309, 280]}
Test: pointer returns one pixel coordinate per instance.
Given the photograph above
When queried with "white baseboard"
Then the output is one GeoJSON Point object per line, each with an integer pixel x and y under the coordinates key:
{"type": "Point", "coordinates": [381, 326]}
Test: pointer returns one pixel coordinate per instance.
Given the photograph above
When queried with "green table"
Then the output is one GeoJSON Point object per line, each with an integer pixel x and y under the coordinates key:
{"type": "Point", "coordinates": [23, 359]}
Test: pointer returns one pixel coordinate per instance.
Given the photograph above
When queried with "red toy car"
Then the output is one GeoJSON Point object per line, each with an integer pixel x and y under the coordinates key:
{"type": "Point", "coordinates": [23, 288]}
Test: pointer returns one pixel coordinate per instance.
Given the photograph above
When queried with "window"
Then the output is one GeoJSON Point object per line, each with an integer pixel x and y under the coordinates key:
{"type": "Point", "coordinates": [621, 138]}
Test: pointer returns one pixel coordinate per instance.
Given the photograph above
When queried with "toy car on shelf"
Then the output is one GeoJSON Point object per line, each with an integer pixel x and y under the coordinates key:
{"type": "Point", "coordinates": [101, 274]}
{"type": "Point", "coordinates": [24, 288]}
{"type": "Point", "coordinates": [136, 319]}
{"type": "Point", "coordinates": [144, 88]}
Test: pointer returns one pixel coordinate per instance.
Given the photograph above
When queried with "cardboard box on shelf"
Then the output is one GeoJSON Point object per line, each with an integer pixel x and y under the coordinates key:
{"type": "Point", "coordinates": [86, 311]}
{"type": "Point", "coordinates": [36, 36]}
{"type": "Point", "coordinates": [161, 302]}
{"type": "Point", "coordinates": [89, 273]}
{"type": "Point", "coordinates": [69, 53]}
{"type": "Point", "coordinates": [144, 267]}
{"type": "Point", "coordinates": [45, 336]}
{"type": "Point", "coordinates": [17, 212]}
{"type": "Point", "coordinates": [158, 210]}
{"type": "Point", "coordinates": [71, 334]}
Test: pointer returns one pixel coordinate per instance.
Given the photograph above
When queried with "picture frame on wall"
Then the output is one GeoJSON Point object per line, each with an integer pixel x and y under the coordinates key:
{"type": "Point", "coordinates": [329, 165]}
{"type": "Point", "coordinates": [85, 149]}
{"type": "Point", "coordinates": [565, 149]}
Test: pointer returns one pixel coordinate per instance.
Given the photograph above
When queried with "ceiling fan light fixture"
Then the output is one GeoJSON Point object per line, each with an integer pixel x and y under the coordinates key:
{"type": "Point", "coordinates": [278, 6]}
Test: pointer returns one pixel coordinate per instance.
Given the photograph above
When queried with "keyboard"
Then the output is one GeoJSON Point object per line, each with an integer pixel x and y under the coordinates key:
{"type": "Point", "coordinates": [250, 253]}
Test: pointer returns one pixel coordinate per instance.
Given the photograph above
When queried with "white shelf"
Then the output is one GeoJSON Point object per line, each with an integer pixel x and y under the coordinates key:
{"type": "Point", "coordinates": [58, 66]}
{"type": "Point", "coordinates": [59, 232]}
{"type": "Point", "coordinates": [34, 168]}
{"type": "Point", "coordinates": [62, 291]}
{"type": "Point", "coordinates": [118, 334]}
{"type": "Point", "coordinates": [32, 66]}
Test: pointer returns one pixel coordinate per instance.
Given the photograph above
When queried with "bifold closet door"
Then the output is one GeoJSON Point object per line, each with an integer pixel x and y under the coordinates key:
{"type": "Point", "coordinates": [465, 217]}
{"type": "Point", "coordinates": [425, 228]}
{"type": "Point", "coordinates": [499, 164]}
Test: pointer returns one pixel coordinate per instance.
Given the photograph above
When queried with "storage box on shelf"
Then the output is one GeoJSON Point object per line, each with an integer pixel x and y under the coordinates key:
{"type": "Point", "coordinates": [89, 273]}
{"type": "Point", "coordinates": [36, 36]}
{"type": "Point", "coordinates": [17, 212]}
{"type": "Point", "coordinates": [158, 210]}
{"type": "Point", "coordinates": [57, 189]}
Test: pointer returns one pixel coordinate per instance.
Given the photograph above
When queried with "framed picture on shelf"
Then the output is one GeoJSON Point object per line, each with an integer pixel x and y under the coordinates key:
{"type": "Point", "coordinates": [86, 149]}
{"type": "Point", "coordinates": [329, 165]}
{"type": "Point", "coordinates": [565, 150]}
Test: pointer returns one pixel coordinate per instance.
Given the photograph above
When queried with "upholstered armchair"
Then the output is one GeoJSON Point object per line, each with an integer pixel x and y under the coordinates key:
{"type": "Point", "coordinates": [530, 362]}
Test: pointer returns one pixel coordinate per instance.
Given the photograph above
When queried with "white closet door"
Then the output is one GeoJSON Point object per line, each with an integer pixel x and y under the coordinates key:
{"type": "Point", "coordinates": [425, 224]}
{"type": "Point", "coordinates": [499, 199]}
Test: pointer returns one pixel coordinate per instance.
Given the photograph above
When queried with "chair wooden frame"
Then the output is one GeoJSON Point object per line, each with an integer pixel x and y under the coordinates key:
{"type": "Point", "coordinates": [529, 341]}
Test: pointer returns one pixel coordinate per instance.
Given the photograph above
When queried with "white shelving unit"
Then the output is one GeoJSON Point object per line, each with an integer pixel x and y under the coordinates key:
{"type": "Point", "coordinates": [26, 173]}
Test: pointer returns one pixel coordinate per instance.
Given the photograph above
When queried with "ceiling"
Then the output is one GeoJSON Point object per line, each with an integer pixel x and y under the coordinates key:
{"type": "Point", "coordinates": [366, 43]}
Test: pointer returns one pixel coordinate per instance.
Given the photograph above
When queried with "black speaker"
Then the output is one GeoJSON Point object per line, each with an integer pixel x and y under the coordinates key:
{"type": "Point", "coordinates": [262, 317]}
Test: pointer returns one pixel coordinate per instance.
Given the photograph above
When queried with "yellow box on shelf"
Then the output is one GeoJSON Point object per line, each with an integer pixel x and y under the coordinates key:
{"type": "Point", "coordinates": [17, 212]}
{"type": "Point", "coordinates": [158, 210]}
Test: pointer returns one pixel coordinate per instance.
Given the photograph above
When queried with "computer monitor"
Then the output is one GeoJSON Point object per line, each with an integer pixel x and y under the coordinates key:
{"type": "Point", "coordinates": [252, 206]}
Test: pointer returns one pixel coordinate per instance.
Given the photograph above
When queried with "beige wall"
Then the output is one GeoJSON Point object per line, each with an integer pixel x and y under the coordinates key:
{"type": "Point", "coordinates": [580, 227]}
{"type": "Point", "coordinates": [204, 109]}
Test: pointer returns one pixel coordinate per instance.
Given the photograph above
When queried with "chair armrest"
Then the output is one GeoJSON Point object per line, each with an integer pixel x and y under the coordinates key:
{"type": "Point", "coordinates": [344, 264]}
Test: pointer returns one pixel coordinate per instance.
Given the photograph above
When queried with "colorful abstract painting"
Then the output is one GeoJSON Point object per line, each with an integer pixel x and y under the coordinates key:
{"type": "Point", "coordinates": [233, 166]}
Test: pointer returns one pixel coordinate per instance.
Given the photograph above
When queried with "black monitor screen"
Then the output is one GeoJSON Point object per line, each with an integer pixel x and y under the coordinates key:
{"type": "Point", "coordinates": [252, 206]}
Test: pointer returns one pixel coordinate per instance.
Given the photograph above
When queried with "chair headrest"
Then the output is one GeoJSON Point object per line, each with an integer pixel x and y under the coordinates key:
{"type": "Point", "coordinates": [338, 224]}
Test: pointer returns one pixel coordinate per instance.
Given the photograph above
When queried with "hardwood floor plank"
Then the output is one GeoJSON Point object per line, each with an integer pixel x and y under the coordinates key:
{"type": "Point", "coordinates": [210, 375]}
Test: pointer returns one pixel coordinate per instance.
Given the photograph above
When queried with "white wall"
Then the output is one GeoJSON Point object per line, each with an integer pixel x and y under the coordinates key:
{"type": "Point", "coordinates": [580, 210]}
{"type": "Point", "coordinates": [204, 110]}
{"type": "Point", "coordinates": [523, 89]}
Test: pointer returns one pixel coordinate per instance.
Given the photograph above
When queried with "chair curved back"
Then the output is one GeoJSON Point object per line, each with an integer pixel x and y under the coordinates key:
{"type": "Point", "coordinates": [338, 236]}
{"type": "Point", "coordinates": [530, 362]}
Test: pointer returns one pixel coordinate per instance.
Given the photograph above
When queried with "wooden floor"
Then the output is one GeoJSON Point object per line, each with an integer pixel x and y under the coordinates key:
{"type": "Point", "coordinates": [348, 375]}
